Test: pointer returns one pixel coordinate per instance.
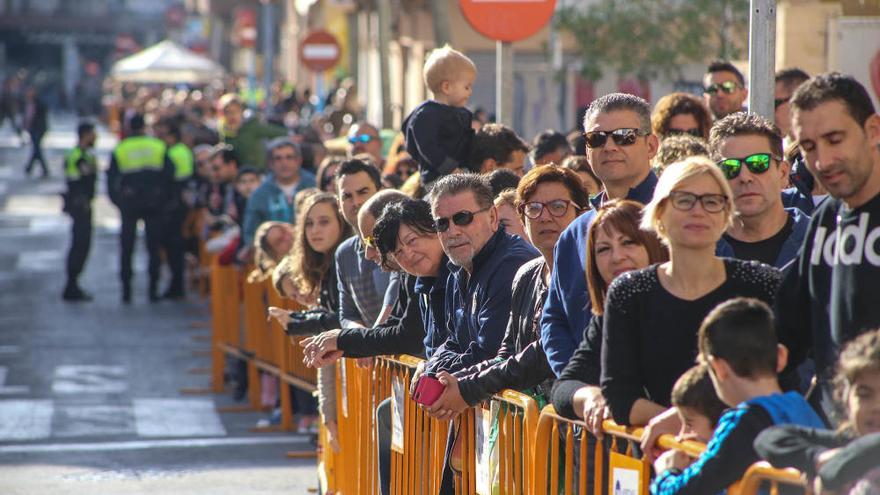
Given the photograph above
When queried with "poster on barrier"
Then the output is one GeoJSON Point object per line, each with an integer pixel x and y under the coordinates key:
{"type": "Point", "coordinates": [485, 435]}
{"type": "Point", "coordinates": [628, 475]}
{"type": "Point", "coordinates": [397, 409]}
{"type": "Point", "coordinates": [343, 388]}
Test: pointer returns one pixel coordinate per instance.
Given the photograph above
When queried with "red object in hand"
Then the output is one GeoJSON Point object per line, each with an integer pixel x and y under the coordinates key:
{"type": "Point", "coordinates": [428, 390]}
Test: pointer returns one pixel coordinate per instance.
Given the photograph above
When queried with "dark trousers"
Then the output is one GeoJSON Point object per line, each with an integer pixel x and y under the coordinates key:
{"type": "Point", "coordinates": [153, 227]}
{"type": "Point", "coordinates": [80, 243]}
{"type": "Point", "coordinates": [172, 242]}
{"type": "Point", "coordinates": [37, 152]}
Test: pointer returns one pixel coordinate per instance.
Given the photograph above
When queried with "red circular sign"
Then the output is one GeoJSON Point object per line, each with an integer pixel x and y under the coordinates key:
{"type": "Point", "coordinates": [319, 51]}
{"type": "Point", "coordinates": [507, 20]}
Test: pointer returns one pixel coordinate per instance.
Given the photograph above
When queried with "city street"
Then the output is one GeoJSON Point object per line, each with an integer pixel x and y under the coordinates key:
{"type": "Point", "coordinates": [90, 397]}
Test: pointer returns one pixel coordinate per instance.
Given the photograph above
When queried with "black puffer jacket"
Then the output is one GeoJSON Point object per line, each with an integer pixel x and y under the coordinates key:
{"type": "Point", "coordinates": [521, 363]}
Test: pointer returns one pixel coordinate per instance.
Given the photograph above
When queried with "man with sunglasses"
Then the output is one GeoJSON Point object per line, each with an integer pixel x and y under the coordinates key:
{"type": "Point", "coordinates": [787, 80]}
{"type": "Point", "coordinates": [483, 260]}
{"type": "Point", "coordinates": [748, 149]}
{"type": "Point", "coordinates": [829, 296]}
{"type": "Point", "coordinates": [620, 147]}
{"type": "Point", "coordinates": [724, 89]}
{"type": "Point", "coordinates": [364, 138]}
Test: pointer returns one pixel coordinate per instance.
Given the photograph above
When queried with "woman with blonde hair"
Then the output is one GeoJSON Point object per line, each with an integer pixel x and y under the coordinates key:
{"type": "Point", "coordinates": [652, 315]}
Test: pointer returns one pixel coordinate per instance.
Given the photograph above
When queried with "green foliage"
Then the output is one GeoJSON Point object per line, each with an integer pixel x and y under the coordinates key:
{"type": "Point", "coordinates": [650, 38]}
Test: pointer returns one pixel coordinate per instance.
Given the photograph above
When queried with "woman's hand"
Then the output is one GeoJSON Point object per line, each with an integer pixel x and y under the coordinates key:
{"type": "Point", "coordinates": [282, 316]}
{"type": "Point", "coordinates": [595, 410]}
{"type": "Point", "coordinates": [321, 350]}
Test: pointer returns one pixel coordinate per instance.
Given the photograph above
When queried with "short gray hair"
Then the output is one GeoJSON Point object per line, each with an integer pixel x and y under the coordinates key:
{"type": "Point", "coordinates": [620, 101]}
{"type": "Point", "coordinates": [281, 142]}
{"type": "Point", "coordinates": [450, 185]}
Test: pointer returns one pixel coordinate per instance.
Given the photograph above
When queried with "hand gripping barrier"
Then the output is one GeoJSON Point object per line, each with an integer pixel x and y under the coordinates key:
{"type": "Point", "coordinates": [582, 464]}
{"type": "Point", "coordinates": [498, 445]}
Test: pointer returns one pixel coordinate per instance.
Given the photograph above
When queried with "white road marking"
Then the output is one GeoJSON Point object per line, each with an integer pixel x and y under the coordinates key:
{"type": "Point", "coordinates": [40, 261]}
{"type": "Point", "coordinates": [25, 419]}
{"type": "Point", "coordinates": [150, 444]}
{"type": "Point", "coordinates": [11, 389]}
{"type": "Point", "coordinates": [89, 379]}
{"type": "Point", "coordinates": [177, 418]}
{"type": "Point", "coordinates": [76, 420]}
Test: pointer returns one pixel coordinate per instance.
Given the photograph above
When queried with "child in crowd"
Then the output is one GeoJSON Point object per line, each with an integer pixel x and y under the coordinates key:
{"type": "Point", "coordinates": [438, 132]}
{"type": "Point", "coordinates": [848, 460]}
{"type": "Point", "coordinates": [228, 242]}
{"type": "Point", "coordinates": [698, 407]}
{"type": "Point", "coordinates": [737, 341]}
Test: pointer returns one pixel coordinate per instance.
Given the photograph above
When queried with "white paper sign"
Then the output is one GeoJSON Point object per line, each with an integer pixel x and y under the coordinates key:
{"type": "Point", "coordinates": [397, 401]}
{"type": "Point", "coordinates": [625, 481]}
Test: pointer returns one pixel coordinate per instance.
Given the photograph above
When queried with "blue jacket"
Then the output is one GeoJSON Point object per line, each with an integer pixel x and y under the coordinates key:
{"type": "Point", "coordinates": [567, 309]}
{"type": "Point", "coordinates": [794, 198]}
{"type": "Point", "coordinates": [790, 247]}
{"type": "Point", "coordinates": [478, 305]}
{"type": "Point", "coordinates": [268, 203]}
{"type": "Point", "coordinates": [431, 292]}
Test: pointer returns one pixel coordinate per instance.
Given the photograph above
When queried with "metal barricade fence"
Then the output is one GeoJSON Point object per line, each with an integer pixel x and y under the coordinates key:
{"type": "Point", "coordinates": [225, 319]}
{"type": "Point", "coordinates": [498, 445]}
{"type": "Point", "coordinates": [351, 467]}
{"type": "Point", "coordinates": [762, 478]}
{"type": "Point", "coordinates": [575, 462]}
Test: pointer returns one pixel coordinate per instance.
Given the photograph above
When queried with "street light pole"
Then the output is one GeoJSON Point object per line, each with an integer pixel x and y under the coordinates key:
{"type": "Point", "coordinates": [268, 48]}
{"type": "Point", "coordinates": [762, 57]}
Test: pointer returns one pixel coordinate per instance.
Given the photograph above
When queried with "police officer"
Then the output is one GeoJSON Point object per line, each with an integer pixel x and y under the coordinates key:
{"type": "Point", "coordinates": [140, 183]}
{"type": "Point", "coordinates": [80, 168]}
{"type": "Point", "coordinates": [172, 237]}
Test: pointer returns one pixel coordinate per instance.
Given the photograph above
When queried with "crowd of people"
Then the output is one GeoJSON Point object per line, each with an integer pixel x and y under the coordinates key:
{"type": "Point", "coordinates": [692, 268]}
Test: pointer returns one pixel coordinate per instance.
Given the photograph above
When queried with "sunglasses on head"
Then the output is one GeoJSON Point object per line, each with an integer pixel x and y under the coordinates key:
{"type": "Point", "coordinates": [695, 132]}
{"type": "Point", "coordinates": [622, 137]}
{"type": "Point", "coordinates": [777, 102]}
{"type": "Point", "coordinates": [462, 219]}
{"type": "Point", "coordinates": [370, 242]}
{"type": "Point", "coordinates": [727, 87]}
{"type": "Point", "coordinates": [361, 138]}
{"type": "Point", "coordinates": [757, 164]}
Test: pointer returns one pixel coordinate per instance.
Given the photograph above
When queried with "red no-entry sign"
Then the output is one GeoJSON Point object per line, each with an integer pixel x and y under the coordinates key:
{"type": "Point", "coordinates": [319, 51]}
{"type": "Point", "coordinates": [507, 20]}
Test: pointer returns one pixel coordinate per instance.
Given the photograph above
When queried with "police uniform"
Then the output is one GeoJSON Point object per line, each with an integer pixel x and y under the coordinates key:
{"type": "Point", "coordinates": [140, 182]}
{"type": "Point", "coordinates": [80, 168]}
{"type": "Point", "coordinates": [182, 159]}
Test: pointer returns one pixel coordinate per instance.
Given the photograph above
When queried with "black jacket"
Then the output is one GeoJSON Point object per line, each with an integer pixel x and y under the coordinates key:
{"type": "Point", "coordinates": [521, 363]}
{"type": "Point", "coordinates": [439, 138]}
{"type": "Point", "coordinates": [799, 447]}
{"type": "Point", "coordinates": [584, 368]}
{"type": "Point", "coordinates": [402, 333]}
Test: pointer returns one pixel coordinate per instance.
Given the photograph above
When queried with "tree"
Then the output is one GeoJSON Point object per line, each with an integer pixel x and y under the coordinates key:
{"type": "Point", "coordinates": [649, 38]}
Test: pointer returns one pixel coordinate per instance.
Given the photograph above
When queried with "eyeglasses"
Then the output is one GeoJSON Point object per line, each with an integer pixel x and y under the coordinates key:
{"type": "Point", "coordinates": [727, 87]}
{"type": "Point", "coordinates": [621, 137]}
{"type": "Point", "coordinates": [695, 132]}
{"type": "Point", "coordinates": [556, 208]}
{"type": "Point", "coordinates": [757, 164]}
{"type": "Point", "coordinates": [370, 242]}
{"type": "Point", "coordinates": [361, 138]}
{"type": "Point", "coordinates": [685, 201]}
{"type": "Point", "coordinates": [462, 218]}
{"type": "Point", "coordinates": [780, 101]}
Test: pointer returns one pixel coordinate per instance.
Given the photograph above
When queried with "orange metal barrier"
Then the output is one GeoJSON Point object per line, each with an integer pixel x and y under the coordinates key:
{"type": "Point", "coordinates": [353, 469]}
{"type": "Point", "coordinates": [225, 321]}
{"type": "Point", "coordinates": [765, 479]}
{"type": "Point", "coordinates": [514, 416]}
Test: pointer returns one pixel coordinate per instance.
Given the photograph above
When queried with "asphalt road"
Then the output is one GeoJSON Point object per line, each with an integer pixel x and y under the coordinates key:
{"type": "Point", "coordinates": [90, 396]}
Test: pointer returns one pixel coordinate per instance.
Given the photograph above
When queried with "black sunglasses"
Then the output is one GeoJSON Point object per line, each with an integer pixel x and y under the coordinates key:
{"type": "Point", "coordinates": [757, 164]}
{"type": "Point", "coordinates": [622, 137]}
{"type": "Point", "coordinates": [461, 219]}
{"type": "Point", "coordinates": [727, 87]}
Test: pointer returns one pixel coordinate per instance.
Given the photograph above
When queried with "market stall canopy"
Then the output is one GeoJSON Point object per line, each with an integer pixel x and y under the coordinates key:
{"type": "Point", "coordinates": [167, 62]}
